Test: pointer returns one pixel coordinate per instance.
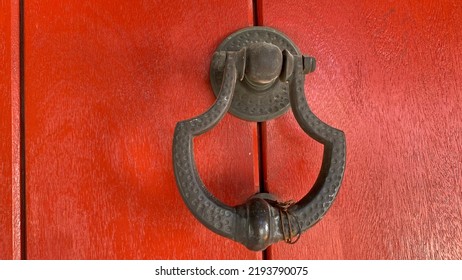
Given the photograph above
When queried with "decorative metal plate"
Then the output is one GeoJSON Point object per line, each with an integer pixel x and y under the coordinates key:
{"type": "Point", "coordinates": [250, 104]}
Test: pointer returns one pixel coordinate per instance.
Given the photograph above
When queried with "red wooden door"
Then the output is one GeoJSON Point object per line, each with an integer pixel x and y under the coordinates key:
{"type": "Point", "coordinates": [389, 75]}
{"type": "Point", "coordinates": [10, 208]}
{"type": "Point", "coordinates": [104, 83]}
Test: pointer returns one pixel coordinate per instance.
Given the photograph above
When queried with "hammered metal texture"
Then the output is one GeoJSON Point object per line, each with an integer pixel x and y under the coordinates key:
{"type": "Point", "coordinates": [247, 103]}
{"type": "Point", "coordinates": [315, 204]}
{"type": "Point", "coordinates": [239, 223]}
{"type": "Point", "coordinates": [206, 208]}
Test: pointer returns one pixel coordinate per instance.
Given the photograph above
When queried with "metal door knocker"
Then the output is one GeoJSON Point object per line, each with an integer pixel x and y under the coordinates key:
{"type": "Point", "coordinates": [257, 73]}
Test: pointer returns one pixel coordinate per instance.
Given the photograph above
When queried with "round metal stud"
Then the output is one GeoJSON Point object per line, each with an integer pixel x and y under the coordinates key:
{"type": "Point", "coordinates": [254, 101]}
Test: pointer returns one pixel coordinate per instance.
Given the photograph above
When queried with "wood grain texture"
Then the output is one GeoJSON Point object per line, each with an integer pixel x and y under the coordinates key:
{"type": "Point", "coordinates": [10, 227]}
{"type": "Point", "coordinates": [389, 75]}
{"type": "Point", "coordinates": [106, 82]}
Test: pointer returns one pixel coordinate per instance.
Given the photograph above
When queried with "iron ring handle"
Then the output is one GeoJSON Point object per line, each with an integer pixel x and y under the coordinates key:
{"type": "Point", "coordinates": [261, 220]}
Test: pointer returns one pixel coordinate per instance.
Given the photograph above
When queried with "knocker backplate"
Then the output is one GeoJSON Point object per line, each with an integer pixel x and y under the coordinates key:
{"type": "Point", "coordinates": [250, 104]}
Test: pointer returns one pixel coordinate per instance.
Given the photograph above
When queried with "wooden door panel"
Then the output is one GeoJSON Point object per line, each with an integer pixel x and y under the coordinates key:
{"type": "Point", "coordinates": [389, 75]}
{"type": "Point", "coordinates": [105, 84]}
{"type": "Point", "coordinates": [10, 238]}
{"type": "Point", "coordinates": [5, 131]}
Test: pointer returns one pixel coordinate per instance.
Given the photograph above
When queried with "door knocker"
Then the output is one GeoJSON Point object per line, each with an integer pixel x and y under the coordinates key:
{"type": "Point", "coordinates": [257, 73]}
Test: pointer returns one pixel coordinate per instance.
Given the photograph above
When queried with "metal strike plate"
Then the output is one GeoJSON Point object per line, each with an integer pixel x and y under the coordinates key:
{"type": "Point", "coordinates": [253, 102]}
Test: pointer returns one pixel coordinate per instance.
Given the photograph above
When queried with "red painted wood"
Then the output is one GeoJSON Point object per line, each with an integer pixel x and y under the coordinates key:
{"type": "Point", "coordinates": [10, 227]}
{"type": "Point", "coordinates": [106, 82]}
{"type": "Point", "coordinates": [5, 131]}
{"type": "Point", "coordinates": [389, 75]}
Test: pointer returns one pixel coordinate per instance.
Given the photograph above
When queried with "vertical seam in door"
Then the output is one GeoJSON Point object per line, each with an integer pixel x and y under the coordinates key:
{"type": "Point", "coordinates": [22, 128]}
{"type": "Point", "coordinates": [260, 129]}
{"type": "Point", "coordinates": [255, 12]}
{"type": "Point", "coordinates": [17, 117]}
{"type": "Point", "coordinates": [17, 131]}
